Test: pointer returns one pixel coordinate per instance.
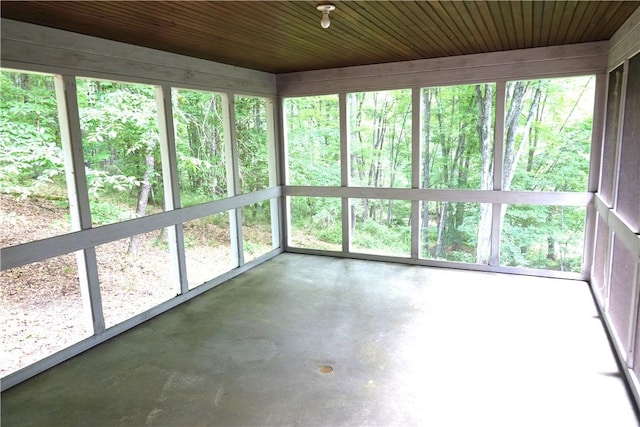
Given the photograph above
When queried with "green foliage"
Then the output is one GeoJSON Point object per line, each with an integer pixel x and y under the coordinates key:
{"type": "Point", "coordinates": [30, 149]}
{"type": "Point", "coordinates": [313, 140]}
{"type": "Point", "coordinates": [200, 146]}
{"type": "Point", "coordinates": [251, 137]}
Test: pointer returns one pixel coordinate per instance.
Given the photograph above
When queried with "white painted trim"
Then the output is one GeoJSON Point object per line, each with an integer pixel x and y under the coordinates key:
{"type": "Point", "coordinates": [416, 166]}
{"type": "Point", "coordinates": [169, 157]}
{"type": "Point", "coordinates": [544, 62]}
{"type": "Point", "coordinates": [345, 170]}
{"type": "Point", "coordinates": [15, 256]}
{"type": "Point", "coordinates": [421, 194]}
{"type": "Point", "coordinates": [71, 135]}
{"type": "Point", "coordinates": [616, 164]}
{"type": "Point", "coordinates": [36, 48]}
{"type": "Point", "coordinates": [75, 349]}
{"type": "Point", "coordinates": [597, 131]}
{"type": "Point", "coordinates": [625, 42]}
{"type": "Point", "coordinates": [622, 230]}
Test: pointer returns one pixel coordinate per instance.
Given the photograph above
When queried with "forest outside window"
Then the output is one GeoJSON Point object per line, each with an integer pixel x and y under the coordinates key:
{"type": "Point", "coordinates": [457, 128]}
{"type": "Point", "coordinates": [312, 138]}
{"type": "Point", "coordinates": [33, 186]}
{"type": "Point", "coordinates": [547, 134]}
{"type": "Point", "coordinates": [544, 237]}
{"type": "Point", "coordinates": [200, 146]}
{"type": "Point", "coordinates": [379, 135]}
{"type": "Point", "coordinates": [121, 148]}
{"type": "Point", "coordinates": [380, 227]}
{"type": "Point", "coordinates": [252, 140]}
{"type": "Point", "coordinates": [315, 223]}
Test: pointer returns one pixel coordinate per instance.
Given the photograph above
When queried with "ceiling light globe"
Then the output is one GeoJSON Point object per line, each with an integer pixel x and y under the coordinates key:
{"type": "Point", "coordinates": [325, 22]}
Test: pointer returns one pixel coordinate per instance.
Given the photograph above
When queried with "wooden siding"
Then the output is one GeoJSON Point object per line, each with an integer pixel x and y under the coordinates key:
{"type": "Point", "coordinates": [285, 36]}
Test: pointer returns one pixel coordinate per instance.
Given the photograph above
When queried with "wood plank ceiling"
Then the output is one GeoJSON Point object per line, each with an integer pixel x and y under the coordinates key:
{"type": "Point", "coordinates": [285, 36]}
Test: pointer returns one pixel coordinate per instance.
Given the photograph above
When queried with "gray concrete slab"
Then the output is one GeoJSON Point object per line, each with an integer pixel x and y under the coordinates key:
{"type": "Point", "coordinates": [406, 345]}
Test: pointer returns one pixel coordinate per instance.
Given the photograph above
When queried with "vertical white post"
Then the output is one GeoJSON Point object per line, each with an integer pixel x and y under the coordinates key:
{"type": "Point", "coordinates": [233, 176]}
{"type": "Point", "coordinates": [498, 159]}
{"type": "Point", "coordinates": [416, 144]}
{"type": "Point", "coordinates": [597, 135]}
{"type": "Point", "coordinates": [77, 190]}
{"type": "Point", "coordinates": [175, 235]}
{"type": "Point", "coordinates": [344, 171]}
{"type": "Point", "coordinates": [274, 169]}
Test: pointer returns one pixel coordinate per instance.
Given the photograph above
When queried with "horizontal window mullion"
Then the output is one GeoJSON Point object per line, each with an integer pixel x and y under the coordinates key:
{"type": "Point", "coordinates": [579, 199]}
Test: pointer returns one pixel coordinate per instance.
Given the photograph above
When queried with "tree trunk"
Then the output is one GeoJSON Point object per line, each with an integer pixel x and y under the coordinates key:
{"type": "Point", "coordinates": [485, 103]}
{"type": "Point", "coordinates": [441, 225]}
{"type": "Point", "coordinates": [143, 200]}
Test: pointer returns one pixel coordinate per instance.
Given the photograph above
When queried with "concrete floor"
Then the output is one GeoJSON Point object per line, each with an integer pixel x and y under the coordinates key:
{"type": "Point", "coordinates": [407, 345]}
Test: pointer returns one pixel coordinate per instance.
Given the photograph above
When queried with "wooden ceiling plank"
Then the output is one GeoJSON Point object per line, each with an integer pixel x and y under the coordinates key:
{"type": "Point", "coordinates": [285, 36]}
{"type": "Point", "coordinates": [428, 26]}
{"type": "Point", "coordinates": [501, 27]}
{"type": "Point", "coordinates": [489, 23]}
{"type": "Point", "coordinates": [526, 18]}
{"type": "Point", "coordinates": [510, 28]}
{"type": "Point", "coordinates": [473, 25]}
{"type": "Point", "coordinates": [518, 24]}
{"type": "Point", "coordinates": [404, 17]}
{"type": "Point", "coordinates": [452, 42]}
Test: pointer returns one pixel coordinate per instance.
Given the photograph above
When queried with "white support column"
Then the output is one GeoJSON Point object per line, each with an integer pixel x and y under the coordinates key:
{"type": "Point", "coordinates": [233, 176]}
{"type": "Point", "coordinates": [623, 99]}
{"type": "Point", "coordinates": [274, 170]}
{"type": "Point", "coordinates": [416, 144]}
{"type": "Point", "coordinates": [283, 155]}
{"type": "Point", "coordinates": [71, 135]}
{"type": "Point", "coordinates": [498, 159]}
{"type": "Point", "coordinates": [597, 137]}
{"type": "Point", "coordinates": [344, 171]}
{"type": "Point", "coordinates": [175, 234]}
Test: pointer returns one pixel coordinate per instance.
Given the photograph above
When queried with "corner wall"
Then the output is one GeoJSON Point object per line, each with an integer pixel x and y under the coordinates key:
{"type": "Point", "coordinates": [615, 277]}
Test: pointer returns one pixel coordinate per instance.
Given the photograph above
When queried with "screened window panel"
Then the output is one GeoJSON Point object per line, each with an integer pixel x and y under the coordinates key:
{"type": "Point", "coordinates": [380, 227]}
{"type": "Point", "coordinates": [455, 231]}
{"type": "Point", "coordinates": [544, 237]}
{"type": "Point", "coordinates": [33, 190]}
{"type": "Point", "coordinates": [200, 146]}
{"type": "Point", "coordinates": [207, 248]}
{"type": "Point", "coordinates": [621, 288]}
{"type": "Point", "coordinates": [121, 147]}
{"type": "Point", "coordinates": [42, 311]}
{"type": "Point", "coordinates": [614, 95]}
{"type": "Point", "coordinates": [380, 138]}
{"type": "Point", "coordinates": [312, 138]}
{"type": "Point", "coordinates": [316, 223]}
{"type": "Point", "coordinates": [256, 230]}
{"type": "Point", "coordinates": [252, 142]}
{"type": "Point", "coordinates": [547, 139]}
{"type": "Point", "coordinates": [628, 202]}
{"type": "Point", "coordinates": [457, 129]}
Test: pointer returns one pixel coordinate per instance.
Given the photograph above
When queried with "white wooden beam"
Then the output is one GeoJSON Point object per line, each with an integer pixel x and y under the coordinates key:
{"type": "Point", "coordinates": [171, 191]}
{"type": "Point", "coordinates": [36, 48]}
{"type": "Point", "coordinates": [625, 42]}
{"type": "Point", "coordinates": [440, 195]}
{"type": "Point", "coordinates": [544, 62]}
{"type": "Point", "coordinates": [71, 135]}
{"type": "Point", "coordinates": [15, 256]}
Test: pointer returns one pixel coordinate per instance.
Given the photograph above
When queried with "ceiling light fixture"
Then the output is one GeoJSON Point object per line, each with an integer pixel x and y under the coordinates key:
{"type": "Point", "coordinates": [325, 9]}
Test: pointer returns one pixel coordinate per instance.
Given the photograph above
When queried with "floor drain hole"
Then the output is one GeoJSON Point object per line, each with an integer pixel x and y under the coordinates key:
{"type": "Point", "coordinates": [326, 369]}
